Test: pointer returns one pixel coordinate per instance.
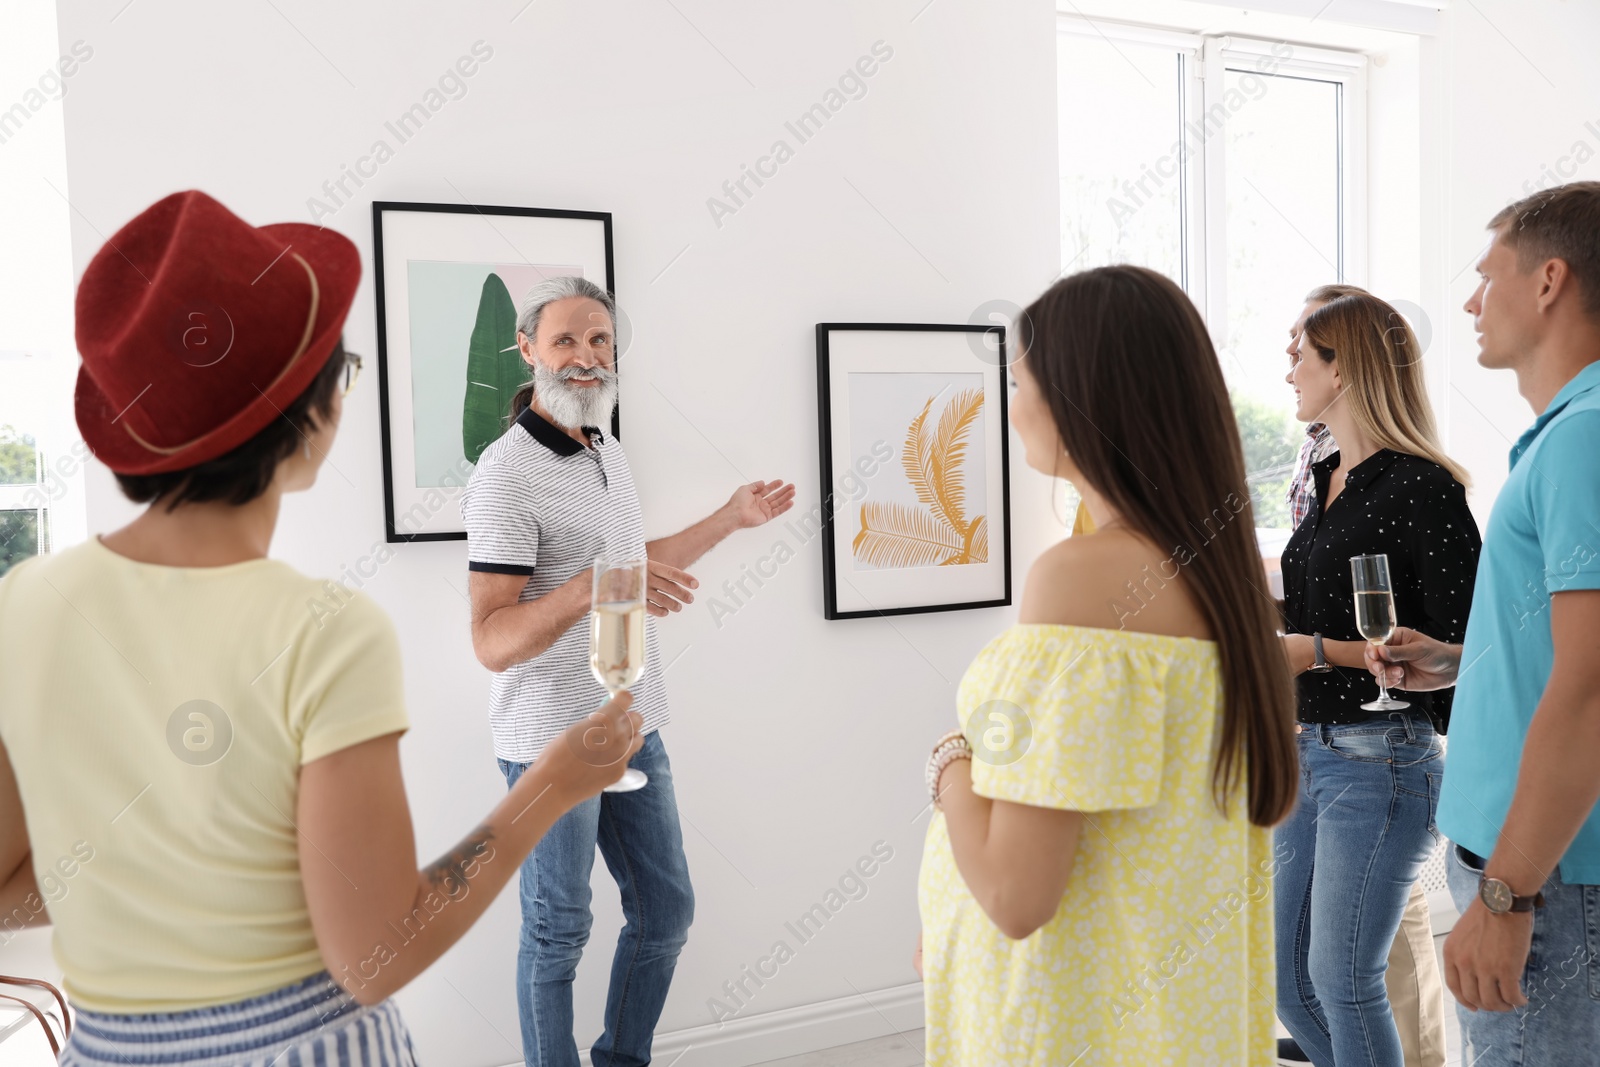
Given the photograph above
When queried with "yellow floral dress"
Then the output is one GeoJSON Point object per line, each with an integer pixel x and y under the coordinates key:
{"type": "Point", "coordinates": [1161, 950]}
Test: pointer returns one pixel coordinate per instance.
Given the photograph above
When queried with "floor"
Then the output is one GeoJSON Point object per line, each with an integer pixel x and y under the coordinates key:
{"type": "Point", "coordinates": [901, 1050]}
{"type": "Point", "coordinates": [895, 1051]}
{"type": "Point", "coordinates": [905, 1050]}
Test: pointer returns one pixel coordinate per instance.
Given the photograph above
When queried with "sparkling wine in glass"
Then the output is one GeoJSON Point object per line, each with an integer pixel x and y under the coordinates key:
{"type": "Point", "coordinates": [616, 637]}
{"type": "Point", "coordinates": [1375, 615]}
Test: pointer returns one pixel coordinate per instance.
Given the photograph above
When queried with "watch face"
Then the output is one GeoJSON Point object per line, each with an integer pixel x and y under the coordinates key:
{"type": "Point", "coordinates": [1496, 895]}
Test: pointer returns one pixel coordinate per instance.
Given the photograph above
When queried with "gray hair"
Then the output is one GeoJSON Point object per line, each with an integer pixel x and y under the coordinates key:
{"type": "Point", "coordinates": [563, 287]}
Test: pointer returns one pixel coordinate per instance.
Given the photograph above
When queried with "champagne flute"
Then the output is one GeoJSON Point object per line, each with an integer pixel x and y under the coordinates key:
{"type": "Point", "coordinates": [1375, 615]}
{"type": "Point", "coordinates": [616, 637]}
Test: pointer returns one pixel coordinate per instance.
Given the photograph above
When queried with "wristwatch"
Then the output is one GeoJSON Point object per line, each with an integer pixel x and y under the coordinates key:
{"type": "Point", "coordinates": [1321, 664]}
{"type": "Point", "coordinates": [1499, 899]}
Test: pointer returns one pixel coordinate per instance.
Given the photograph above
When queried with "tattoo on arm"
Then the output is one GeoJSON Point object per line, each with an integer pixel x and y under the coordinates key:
{"type": "Point", "coordinates": [452, 873]}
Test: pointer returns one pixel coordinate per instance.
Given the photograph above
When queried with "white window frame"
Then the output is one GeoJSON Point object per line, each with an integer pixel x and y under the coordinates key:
{"type": "Point", "coordinates": [1189, 49]}
{"type": "Point", "coordinates": [1203, 192]}
{"type": "Point", "coordinates": [30, 496]}
{"type": "Point", "coordinates": [1347, 70]}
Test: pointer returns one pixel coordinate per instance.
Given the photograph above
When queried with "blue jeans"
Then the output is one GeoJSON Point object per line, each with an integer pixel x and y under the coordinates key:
{"type": "Point", "coordinates": [1357, 840]}
{"type": "Point", "coordinates": [1561, 1022]}
{"type": "Point", "coordinates": [641, 841]}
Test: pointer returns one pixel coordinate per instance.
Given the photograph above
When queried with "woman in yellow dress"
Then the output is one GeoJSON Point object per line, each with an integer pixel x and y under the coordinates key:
{"type": "Point", "coordinates": [1095, 886]}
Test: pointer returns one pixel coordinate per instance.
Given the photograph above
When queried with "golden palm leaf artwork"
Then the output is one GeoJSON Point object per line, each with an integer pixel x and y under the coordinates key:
{"type": "Point", "coordinates": [936, 530]}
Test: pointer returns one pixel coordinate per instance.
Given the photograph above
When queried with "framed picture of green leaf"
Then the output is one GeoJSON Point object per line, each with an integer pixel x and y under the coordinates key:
{"type": "Point", "coordinates": [915, 486]}
{"type": "Point", "coordinates": [449, 279]}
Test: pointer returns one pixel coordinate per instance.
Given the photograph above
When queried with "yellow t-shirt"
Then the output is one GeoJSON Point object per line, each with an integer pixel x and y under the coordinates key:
{"type": "Point", "coordinates": [157, 718]}
{"type": "Point", "coordinates": [1161, 950]}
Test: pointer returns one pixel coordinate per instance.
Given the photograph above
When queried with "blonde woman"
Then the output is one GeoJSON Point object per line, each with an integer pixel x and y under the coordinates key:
{"type": "Point", "coordinates": [1364, 821]}
{"type": "Point", "coordinates": [1095, 883]}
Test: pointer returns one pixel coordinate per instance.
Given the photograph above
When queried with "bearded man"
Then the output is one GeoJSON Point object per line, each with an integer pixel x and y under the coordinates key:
{"type": "Point", "coordinates": [548, 498]}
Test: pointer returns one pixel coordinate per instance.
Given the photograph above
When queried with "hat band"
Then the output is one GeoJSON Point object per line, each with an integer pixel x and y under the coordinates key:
{"type": "Point", "coordinates": [305, 340]}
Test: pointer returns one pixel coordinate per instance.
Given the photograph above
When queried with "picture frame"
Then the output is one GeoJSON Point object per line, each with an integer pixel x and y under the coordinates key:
{"type": "Point", "coordinates": [913, 442]}
{"type": "Point", "coordinates": [448, 279]}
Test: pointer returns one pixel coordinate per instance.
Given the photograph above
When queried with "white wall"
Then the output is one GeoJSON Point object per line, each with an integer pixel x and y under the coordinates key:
{"type": "Point", "coordinates": [797, 742]}
{"type": "Point", "coordinates": [1517, 91]}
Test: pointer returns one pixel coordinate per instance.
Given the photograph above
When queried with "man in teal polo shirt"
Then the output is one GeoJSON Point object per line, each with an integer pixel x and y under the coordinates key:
{"type": "Point", "coordinates": [1523, 772]}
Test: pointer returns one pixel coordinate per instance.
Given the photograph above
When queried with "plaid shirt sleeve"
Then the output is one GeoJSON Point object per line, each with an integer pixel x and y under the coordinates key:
{"type": "Point", "coordinates": [1318, 445]}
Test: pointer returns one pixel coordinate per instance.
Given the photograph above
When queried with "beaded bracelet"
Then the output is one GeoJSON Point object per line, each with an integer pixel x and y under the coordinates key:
{"type": "Point", "coordinates": [951, 747]}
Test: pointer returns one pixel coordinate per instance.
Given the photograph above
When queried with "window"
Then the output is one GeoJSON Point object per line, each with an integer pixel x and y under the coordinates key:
{"type": "Point", "coordinates": [1235, 167]}
{"type": "Point", "coordinates": [24, 517]}
{"type": "Point", "coordinates": [42, 503]}
{"type": "Point", "coordinates": [1122, 190]}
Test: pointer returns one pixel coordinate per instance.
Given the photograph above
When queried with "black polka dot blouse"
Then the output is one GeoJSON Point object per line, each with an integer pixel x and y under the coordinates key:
{"type": "Point", "coordinates": [1410, 509]}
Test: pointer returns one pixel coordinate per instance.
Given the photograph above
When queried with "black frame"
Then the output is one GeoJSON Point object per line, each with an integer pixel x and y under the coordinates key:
{"type": "Point", "coordinates": [830, 601]}
{"type": "Point", "coordinates": [378, 208]}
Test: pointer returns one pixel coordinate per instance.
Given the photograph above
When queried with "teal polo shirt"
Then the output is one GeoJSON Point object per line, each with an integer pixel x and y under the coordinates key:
{"type": "Point", "coordinates": [1543, 538]}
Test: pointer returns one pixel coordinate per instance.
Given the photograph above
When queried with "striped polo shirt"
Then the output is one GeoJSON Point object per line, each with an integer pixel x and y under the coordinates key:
{"type": "Point", "coordinates": [542, 505]}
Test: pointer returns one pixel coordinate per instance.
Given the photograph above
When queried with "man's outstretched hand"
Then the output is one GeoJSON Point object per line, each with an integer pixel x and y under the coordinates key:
{"type": "Point", "coordinates": [1413, 661]}
{"type": "Point", "coordinates": [760, 502]}
{"type": "Point", "coordinates": [750, 505]}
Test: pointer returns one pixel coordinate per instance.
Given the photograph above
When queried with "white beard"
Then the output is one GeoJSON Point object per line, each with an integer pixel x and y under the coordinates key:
{"type": "Point", "coordinates": [575, 406]}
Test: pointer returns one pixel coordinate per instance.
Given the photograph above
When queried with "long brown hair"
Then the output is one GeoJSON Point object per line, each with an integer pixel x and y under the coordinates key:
{"type": "Point", "coordinates": [1137, 395]}
{"type": "Point", "coordinates": [1380, 363]}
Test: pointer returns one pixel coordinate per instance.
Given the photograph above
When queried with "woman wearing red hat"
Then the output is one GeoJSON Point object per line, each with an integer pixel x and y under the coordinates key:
{"type": "Point", "coordinates": [199, 746]}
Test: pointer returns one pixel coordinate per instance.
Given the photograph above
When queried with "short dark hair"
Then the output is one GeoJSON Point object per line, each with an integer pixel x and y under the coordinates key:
{"type": "Point", "coordinates": [241, 475]}
{"type": "Point", "coordinates": [1561, 223]}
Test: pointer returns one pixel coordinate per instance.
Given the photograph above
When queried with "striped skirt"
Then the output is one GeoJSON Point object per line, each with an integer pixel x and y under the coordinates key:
{"type": "Point", "coordinates": [312, 1023]}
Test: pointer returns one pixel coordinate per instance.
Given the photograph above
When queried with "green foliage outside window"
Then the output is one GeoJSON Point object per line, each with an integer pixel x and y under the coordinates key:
{"type": "Point", "coordinates": [1271, 438]}
{"type": "Point", "coordinates": [19, 458]}
{"type": "Point", "coordinates": [24, 532]}
{"type": "Point", "coordinates": [20, 536]}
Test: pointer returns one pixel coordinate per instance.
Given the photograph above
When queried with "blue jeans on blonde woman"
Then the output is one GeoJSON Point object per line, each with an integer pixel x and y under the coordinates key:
{"type": "Point", "coordinates": [1355, 844]}
{"type": "Point", "coordinates": [639, 837]}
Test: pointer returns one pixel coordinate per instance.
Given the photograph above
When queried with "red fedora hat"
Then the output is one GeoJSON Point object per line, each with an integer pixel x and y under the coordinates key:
{"type": "Point", "coordinates": [198, 329]}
